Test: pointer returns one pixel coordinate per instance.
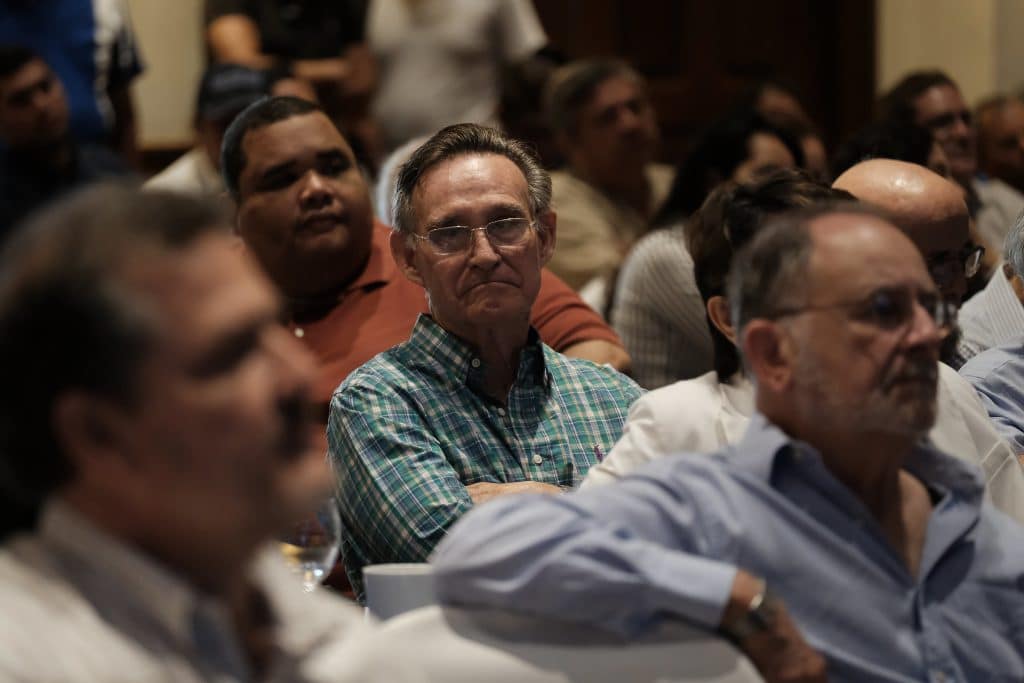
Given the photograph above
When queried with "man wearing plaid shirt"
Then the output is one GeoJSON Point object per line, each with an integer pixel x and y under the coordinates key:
{"type": "Point", "coordinates": [473, 405]}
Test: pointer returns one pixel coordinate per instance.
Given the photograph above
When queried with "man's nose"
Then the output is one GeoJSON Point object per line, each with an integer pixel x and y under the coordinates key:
{"type": "Point", "coordinates": [481, 252]}
{"type": "Point", "coordinates": [961, 128]}
{"type": "Point", "coordinates": [41, 99]}
{"type": "Point", "coordinates": [628, 118]}
{"type": "Point", "coordinates": [316, 189]}
{"type": "Point", "coordinates": [924, 330]}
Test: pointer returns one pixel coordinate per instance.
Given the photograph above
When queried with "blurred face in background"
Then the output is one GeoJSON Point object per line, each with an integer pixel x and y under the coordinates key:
{"type": "Point", "coordinates": [616, 133]}
{"type": "Point", "coordinates": [766, 153]}
{"type": "Point", "coordinates": [1001, 142]}
{"type": "Point", "coordinates": [33, 107]}
{"type": "Point", "coordinates": [941, 109]}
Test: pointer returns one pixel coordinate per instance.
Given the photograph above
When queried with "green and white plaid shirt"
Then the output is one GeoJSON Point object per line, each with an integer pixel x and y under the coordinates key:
{"type": "Point", "coordinates": [410, 429]}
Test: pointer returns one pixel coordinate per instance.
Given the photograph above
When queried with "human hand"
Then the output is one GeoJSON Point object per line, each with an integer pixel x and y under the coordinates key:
{"type": "Point", "coordinates": [779, 651]}
{"type": "Point", "coordinates": [484, 491]}
{"type": "Point", "coordinates": [782, 655]}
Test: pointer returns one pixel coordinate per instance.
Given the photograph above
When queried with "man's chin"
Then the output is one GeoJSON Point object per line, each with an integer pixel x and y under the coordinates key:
{"type": "Point", "coordinates": [314, 240]}
{"type": "Point", "coordinates": [962, 167]}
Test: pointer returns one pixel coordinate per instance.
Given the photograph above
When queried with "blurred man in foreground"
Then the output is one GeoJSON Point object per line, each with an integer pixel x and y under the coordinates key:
{"type": "Point", "coordinates": [160, 414]}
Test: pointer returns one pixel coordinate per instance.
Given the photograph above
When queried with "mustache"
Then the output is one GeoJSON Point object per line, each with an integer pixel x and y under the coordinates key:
{"type": "Point", "coordinates": [312, 216]}
{"type": "Point", "coordinates": [922, 371]}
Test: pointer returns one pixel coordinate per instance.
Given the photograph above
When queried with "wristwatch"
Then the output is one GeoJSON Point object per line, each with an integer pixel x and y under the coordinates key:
{"type": "Point", "coordinates": [760, 616]}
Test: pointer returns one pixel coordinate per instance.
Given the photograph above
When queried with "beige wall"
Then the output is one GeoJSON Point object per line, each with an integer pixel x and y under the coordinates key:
{"type": "Point", "coordinates": [978, 42]}
{"type": "Point", "coordinates": [169, 35]}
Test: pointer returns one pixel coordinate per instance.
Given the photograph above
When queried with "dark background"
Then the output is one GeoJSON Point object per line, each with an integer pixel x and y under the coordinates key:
{"type": "Point", "coordinates": [699, 55]}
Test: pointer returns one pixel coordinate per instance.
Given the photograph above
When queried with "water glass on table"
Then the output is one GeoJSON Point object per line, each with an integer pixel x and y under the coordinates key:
{"type": "Point", "coordinates": [311, 546]}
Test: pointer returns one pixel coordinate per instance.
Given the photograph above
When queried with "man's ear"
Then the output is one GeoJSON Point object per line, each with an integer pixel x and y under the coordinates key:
{"type": "Point", "coordinates": [1016, 284]}
{"type": "Point", "coordinates": [88, 431]}
{"type": "Point", "coordinates": [404, 253]}
{"type": "Point", "coordinates": [769, 353]}
{"type": "Point", "coordinates": [718, 313]}
{"type": "Point", "coordinates": [547, 233]}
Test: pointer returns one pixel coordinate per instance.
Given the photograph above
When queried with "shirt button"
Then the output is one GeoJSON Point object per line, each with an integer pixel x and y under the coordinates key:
{"type": "Point", "coordinates": [939, 677]}
{"type": "Point", "coordinates": [475, 362]}
{"type": "Point", "coordinates": [299, 332]}
{"type": "Point", "coordinates": [501, 411]}
{"type": "Point", "coordinates": [537, 460]}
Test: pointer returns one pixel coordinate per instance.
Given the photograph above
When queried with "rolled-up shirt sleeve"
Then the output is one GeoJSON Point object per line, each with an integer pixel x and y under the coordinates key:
{"type": "Point", "coordinates": [620, 558]}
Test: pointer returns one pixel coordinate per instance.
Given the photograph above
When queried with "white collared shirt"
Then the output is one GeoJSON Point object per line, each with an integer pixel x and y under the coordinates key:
{"type": "Point", "coordinates": [992, 317]}
{"type": "Point", "coordinates": [80, 605]}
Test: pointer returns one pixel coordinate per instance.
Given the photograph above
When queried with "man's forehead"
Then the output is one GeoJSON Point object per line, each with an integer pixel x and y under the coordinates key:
{"type": "Point", "coordinates": [453, 180]}
{"type": "Point", "coordinates": [907, 193]}
{"type": "Point", "coordinates": [29, 75]}
{"type": "Point", "coordinates": [291, 138]}
{"type": "Point", "coordinates": [940, 98]}
{"type": "Point", "coordinates": [203, 284]}
{"type": "Point", "coordinates": [612, 91]}
{"type": "Point", "coordinates": [1009, 116]}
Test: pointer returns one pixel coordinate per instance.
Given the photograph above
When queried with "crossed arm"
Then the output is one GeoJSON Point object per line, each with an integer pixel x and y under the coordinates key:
{"type": "Point", "coordinates": [397, 491]}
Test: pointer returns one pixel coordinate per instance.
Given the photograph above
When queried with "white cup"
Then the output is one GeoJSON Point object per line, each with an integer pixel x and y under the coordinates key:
{"type": "Point", "coordinates": [392, 589]}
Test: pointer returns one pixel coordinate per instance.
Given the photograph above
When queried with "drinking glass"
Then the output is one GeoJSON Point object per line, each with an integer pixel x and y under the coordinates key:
{"type": "Point", "coordinates": [311, 546]}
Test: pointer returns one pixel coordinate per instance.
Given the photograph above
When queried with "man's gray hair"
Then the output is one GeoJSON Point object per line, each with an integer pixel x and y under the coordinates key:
{"type": "Point", "coordinates": [460, 140]}
{"type": "Point", "coordinates": [769, 275]}
{"type": "Point", "coordinates": [1013, 246]}
{"type": "Point", "coordinates": [572, 86]}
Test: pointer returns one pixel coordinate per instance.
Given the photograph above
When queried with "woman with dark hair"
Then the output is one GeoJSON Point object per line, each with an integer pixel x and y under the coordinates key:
{"type": "Point", "coordinates": [657, 309]}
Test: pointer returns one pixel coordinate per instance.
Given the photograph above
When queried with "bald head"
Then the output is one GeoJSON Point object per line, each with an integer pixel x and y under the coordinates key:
{"type": "Point", "coordinates": [928, 208]}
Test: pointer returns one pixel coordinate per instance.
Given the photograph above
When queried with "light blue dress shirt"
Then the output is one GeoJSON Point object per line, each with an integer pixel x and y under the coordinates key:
{"type": "Point", "coordinates": [666, 543]}
{"type": "Point", "coordinates": [998, 377]}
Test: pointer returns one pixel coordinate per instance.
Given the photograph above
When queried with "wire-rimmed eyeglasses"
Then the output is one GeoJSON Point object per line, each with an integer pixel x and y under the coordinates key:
{"type": "Point", "coordinates": [888, 308]}
{"type": "Point", "coordinates": [454, 239]}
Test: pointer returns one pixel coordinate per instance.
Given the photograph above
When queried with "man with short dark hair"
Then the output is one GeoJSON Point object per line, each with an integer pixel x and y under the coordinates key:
{"type": "Point", "coordinates": [168, 437]}
{"type": "Point", "coordinates": [39, 160]}
{"type": "Point", "coordinates": [829, 535]}
{"type": "Point", "coordinates": [303, 209]}
{"type": "Point", "coordinates": [472, 405]}
{"type": "Point", "coordinates": [933, 100]}
{"type": "Point", "coordinates": [605, 126]}
{"type": "Point", "coordinates": [91, 47]}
